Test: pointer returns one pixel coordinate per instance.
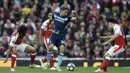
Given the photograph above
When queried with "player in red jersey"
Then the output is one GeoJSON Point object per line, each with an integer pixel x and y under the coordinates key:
{"type": "Point", "coordinates": [119, 46]}
{"type": "Point", "coordinates": [16, 45]}
{"type": "Point", "coordinates": [46, 31]}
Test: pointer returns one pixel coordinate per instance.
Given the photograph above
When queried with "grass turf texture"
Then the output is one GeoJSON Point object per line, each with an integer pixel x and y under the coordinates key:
{"type": "Point", "coordinates": [77, 70]}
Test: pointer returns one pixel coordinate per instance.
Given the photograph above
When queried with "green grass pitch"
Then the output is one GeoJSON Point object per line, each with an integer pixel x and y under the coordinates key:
{"type": "Point", "coordinates": [77, 70]}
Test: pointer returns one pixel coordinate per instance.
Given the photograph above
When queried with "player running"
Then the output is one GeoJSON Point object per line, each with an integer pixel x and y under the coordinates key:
{"type": "Point", "coordinates": [16, 45]}
{"type": "Point", "coordinates": [57, 38]}
{"type": "Point", "coordinates": [119, 46]}
{"type": "Point", "coordinates": [46, 31]}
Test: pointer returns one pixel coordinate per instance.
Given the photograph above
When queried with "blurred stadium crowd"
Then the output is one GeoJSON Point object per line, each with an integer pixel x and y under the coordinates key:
{"type": "Point", "coordinates": [82, 38]}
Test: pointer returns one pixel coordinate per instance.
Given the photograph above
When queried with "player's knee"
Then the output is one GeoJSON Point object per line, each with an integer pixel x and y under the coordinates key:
{"type": "Point", "coordinates": [34, 50]}
{"type": "Point", "coordinates": [107, 56]}
{"type": "Point", "coordinates": [62, 47]}
{"type": "Point", "coordinates": [14, 51]}
{"type": "Point", "coordinates": [51, 47]}
{"type": "Point", "coordinates": [31, 49]}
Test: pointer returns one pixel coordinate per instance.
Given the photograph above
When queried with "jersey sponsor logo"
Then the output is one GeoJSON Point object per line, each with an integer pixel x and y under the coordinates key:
{"type": "Point", "coordinates": [62, 20]}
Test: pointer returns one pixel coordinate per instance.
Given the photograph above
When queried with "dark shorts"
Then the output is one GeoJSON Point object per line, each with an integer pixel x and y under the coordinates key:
{"type": "Point", "coordinates": [57, 39]}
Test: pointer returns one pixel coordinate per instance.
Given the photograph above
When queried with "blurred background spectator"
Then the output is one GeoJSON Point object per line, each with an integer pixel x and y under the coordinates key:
{"type": "Point", "coordinates": [82, 38]}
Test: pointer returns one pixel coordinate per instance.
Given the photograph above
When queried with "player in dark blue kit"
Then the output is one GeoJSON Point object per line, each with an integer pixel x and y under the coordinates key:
{"type": "Point", "coordinates": [58, 35]}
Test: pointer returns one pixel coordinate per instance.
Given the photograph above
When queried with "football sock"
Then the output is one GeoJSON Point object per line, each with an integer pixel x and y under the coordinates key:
{"type": "Point", "coordinates": [51, 62]}
{"type": "Point", "coordinates": [44, 59]}
{"type": "Point", "coordinates": [32, 57]}
{"type": "Point", "coordinates": [60, 57]}
{"type": "Point", "coordinates": [104, 64]}
{"type": "Point", "coordinates": [13, 59]}
{"type": "Point", "coordinates": [49, 54]}
{"type": "Point", "coordinates": [105, 68]}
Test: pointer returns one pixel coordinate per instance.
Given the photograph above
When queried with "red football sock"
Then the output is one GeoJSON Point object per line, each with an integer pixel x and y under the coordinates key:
{"type": "Point", "coordinates": [44, 59]}
{"type": "Point", "coordinates": [105, 68]}
{"type": "Point", "coordinates": [13, 59]}
{"type": "Point", "coordinates": [51, 62]}
{"type": "Point", "coordinates": [104, 64]}
{"type": "Point", "coordinates": [32, 56]}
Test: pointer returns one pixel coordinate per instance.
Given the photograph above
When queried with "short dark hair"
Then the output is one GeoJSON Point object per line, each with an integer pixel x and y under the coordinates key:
{"type": "Point", "coordinates": [64, 8]}
{"type": "Point", "coordinates": [22, 30]}
{"type": "Point", "coordinates": [112, 19]}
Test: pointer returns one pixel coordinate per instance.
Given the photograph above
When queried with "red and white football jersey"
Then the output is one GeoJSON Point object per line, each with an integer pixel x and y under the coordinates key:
{"type": "Point", "coordinates": [48, 31]}
{"type": "Point", "coordinates": [119, 40]}
{"type": "Point", "coordinates": [15, 39]}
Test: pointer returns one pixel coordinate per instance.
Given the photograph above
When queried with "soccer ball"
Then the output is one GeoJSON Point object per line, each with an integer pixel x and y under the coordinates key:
{"type": "Point", "coordinates": [70, 67]}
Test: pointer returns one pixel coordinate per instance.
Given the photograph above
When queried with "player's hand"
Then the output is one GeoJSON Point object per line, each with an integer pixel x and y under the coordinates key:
{"type": "Point", "coordinates": [5, 60]}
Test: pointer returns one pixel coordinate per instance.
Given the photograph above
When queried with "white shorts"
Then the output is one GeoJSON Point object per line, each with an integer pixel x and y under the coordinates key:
{"type": "Point", "coordinates": [115, 50]}
{"type": "Point", "coordinates": [21, 48]}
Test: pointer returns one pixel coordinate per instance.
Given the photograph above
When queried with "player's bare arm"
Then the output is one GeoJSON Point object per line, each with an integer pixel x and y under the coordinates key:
{"type": "Point", "coordinates": [8, 52]}
{"type": "Point", "coordinates": [111, 39]}
{"type": "Point", "coordinates": [44, 26]}
{"type": "Point", "coordinates": [75, 16]}
{"type": "Point", "coordinates": [41, 33]}
{"type": "Point", "coordinates": [106, 37]}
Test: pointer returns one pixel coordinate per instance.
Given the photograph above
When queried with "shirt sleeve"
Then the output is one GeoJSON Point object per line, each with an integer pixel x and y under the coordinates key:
{"type": "Point", "coordinates": [12, 42]}
{"type": "Point", "coordinates": [117, 30]}
{"type": "Point", "coordinates": [44, 25]}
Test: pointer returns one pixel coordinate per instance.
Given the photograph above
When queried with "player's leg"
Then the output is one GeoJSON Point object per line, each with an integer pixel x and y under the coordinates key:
{"type": "Point", "coordinates": [44, 59]}
{"type": "Point", "coordinates": [52, 43]}
{"type": "Point", "coordinates": [105, 62]}
{"type": "Point", "coordinates": [61, 45]}
{"type": "Point", "coordinates": [29, 49]}
{"type": "Point", "coordinates": [49, 55]}
{"type": "Point", "coordinates": [51, 63]}
{"type": "Point", "coordinates": [32, 51]}
{"type": "Point", "coordinates": [13, 58]}
{"type": "Point", "coordinates": [113, 51]}
{"type": "Point", "coordinates": [46, 41]}
{"type": "Point", "coordinates": [60, 57]}
{"type": "Point", "coordinates": [103, 67]}
{"type": "Point", "coordinates": [55, 50]}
